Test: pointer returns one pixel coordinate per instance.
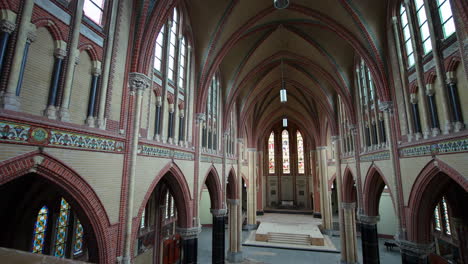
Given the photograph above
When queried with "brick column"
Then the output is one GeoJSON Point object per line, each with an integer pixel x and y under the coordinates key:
{"type": "Point", "coordinates": [370, 239]}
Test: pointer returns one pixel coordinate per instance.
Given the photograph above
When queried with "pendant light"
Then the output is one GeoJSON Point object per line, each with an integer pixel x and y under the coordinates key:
{"type": "Point", "coordinates": [285, 122]}
{"type": "Point", "coordinates": [283, 93]}
{"type": "Point", "coordinates": [281, 4]}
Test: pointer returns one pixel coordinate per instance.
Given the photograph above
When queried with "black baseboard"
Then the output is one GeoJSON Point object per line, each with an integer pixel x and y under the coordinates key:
{"type": "Point", "coordinates": [317, 215]}
{"type": "Point", "coordinates": [260, 213]}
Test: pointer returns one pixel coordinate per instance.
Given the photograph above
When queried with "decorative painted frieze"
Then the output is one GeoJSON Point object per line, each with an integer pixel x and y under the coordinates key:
{"type": "Point", "coordinates": [383, 155]}
{"type": "Point", "coordinates": [154, 151]}
{"type": "Point", "coordinates": [348, 160]}
{"type": "Point", "coordinates": [231, 161]}
{"type": "Point", "coordinates": [443, 147]}
{"type": "Point", "coordinates": [210, 159]}
{"type": "Point", "coordinates": [28, 134]}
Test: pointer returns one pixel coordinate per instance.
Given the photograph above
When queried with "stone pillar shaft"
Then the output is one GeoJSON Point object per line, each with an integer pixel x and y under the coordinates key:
{"type": "Point", "coordinates": [370, 240]}
{"type": "Point", "coordinates": [218, 240]}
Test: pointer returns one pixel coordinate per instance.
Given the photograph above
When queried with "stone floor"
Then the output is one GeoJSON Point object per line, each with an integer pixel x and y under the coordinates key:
{"type": "Point", "coordinates": [281, 256]}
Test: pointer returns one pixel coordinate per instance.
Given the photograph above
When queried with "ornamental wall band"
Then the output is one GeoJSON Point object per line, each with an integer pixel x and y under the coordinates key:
{"type": "Point", "coordinates": [11, 132]}
{"type": "Point", "coordinates": [443, 147]}
{"type": "Point", "coordinates": [210, 159]}
{"type": "Point", "coordinates": [154, 151]}
{"type": "Point", "coordinates": [383, 155]}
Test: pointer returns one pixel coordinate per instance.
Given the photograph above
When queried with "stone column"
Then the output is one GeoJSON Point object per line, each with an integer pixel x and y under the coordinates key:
{"type": "Point", "coordinates": [327, 218]}
{"type": "Point", "coordinates": [349, 215]}
{"type": "Point", "coordinates": [234, 252]}
{"type": "Point", "coordinates": [218, 241]}
{"type": "Point", "coordinates": [339, 188]}
{"type": "Point", "coordinates": [435, 130]}
{"type": "Point", "coordinates": [416, 118]}
{"type": "Point", "coordinates": [10, 100]}
{"type": "Point", "coordinates": [181, 127]}
{"type": "Point", "coordinates": [6, 28]}
{"type": "Point", "coordinates": [252, 190]}
{"type": "Point", "coordinates": [101, 121]}
{"type": "Point", "coordinates": [138, 83]}
{"type": "Point", "coordinates": [91, 119]}
{"type": "Point", "coordinates": [170, 124]}
{"type": "Point", "coordinates": [189, 244]}
{"type": "Point", "coordinates": [370, 239]}
{"type": "Point", "coordinates": [51, 111]}
{"type": "Point", "coordinates": [157, 121]}
{"type": "Point", "coordinates": [455, 101]}
{"type": "Point", "coordinates": [414, 253]}
{"type": "Point", "coordinates": [70, 69]}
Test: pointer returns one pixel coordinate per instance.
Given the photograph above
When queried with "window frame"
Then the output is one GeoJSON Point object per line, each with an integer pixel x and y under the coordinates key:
{"type": "Point", "coordinates": [100, 25]}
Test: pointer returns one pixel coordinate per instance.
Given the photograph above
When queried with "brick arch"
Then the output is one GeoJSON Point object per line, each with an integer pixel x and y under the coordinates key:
{"type": "Point", "coordinates": [373, 187]}
{"type": "Point", "coordinates": [435, 179]}
{"type": "Point", "coordinates": [231, 188]}
{"type": "Point", "coordinates": [413, 87]}
{"type": "Point", "coordinates": [82, 194]}
{"type": "Point", "coordinates": [330, 182]}
{"type": "Point", "coordinates": [349, 189]}
{"type": "Point", "coordinates": [4, 4]}
{"type": "Point", "coordinates": [214, 188]}
{"type": "Point", "coordinates": [91, 50]}
{"type": "Point", "coordinates": [452, 62]}
{"type": "Point", "coordinates": [50, 25]}
{"type": "Point", "coordinates": [178, 186]}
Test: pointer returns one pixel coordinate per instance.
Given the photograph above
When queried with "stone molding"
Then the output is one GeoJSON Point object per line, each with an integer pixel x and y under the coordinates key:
{"type": "Point", "coordinates": [138, 81]}
{"type": "Point", "coordinates": [415, 249]}
{"type": "Point", "coordinates": [188, 233]}
{"type": "Point", "coordinates": [60, 53]}
{"type": "Point", "coordinates": [321, 147]}
{"type": "Point", "coordinates": [369, 220]}
{"type": "Point", "coordinates": [386, 106]}
{"type": "Point", "coordinates": [219, 212]}
{"type": "Point", "coordinates": [348, 206]}
{"type": "Point", "coordinates": [7, 26]}
{"type": "Point", "coordinates": [31, 37]}
{"type": "Point", "coordinates": [233, 201]}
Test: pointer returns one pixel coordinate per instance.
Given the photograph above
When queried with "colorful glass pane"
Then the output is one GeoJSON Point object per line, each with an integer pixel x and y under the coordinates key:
{"type": "Point", "coordinates": [446, 217]}
{"type": "Point", "coordinates": [437, 218]}
{"type": "Point", "coordinates": [271, 153]}
{"type": "Point", "coordinates": [285, 143]}
{"type": "Point", "coordinates": [78, 242]}
{"type": "Point", "coordinates": [39, 230]}
{"type": "Point", "coordinates": [300, 153]}
{"type": "Point", "coordinates": [62, 228]}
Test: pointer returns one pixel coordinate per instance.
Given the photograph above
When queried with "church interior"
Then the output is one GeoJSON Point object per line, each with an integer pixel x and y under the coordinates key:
{"type": "Point", "coordinates": [193, 131]}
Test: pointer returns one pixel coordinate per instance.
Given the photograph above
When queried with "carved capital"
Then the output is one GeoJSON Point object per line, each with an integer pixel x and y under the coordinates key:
{"type": "Point", "coordinates": [200, 118]}
{"type": "Point", "coordinates": [386, 106]}
{"type": "Point", "coordinates": [369, 220]}
{"type": "Point", "coordinates": [233, 201]}
{"type": "Point", "coordinates": [31, 37]}
{"type": "Point", "coordinates": [451, 77]}
{"type": "Point", "coordinates": [414, 98]}
{"type": "Point", "coordinates": [7, 26]}
{"type": "Point", "coordinates": [334, 139]}
{"type": "Point", "coordinates": [60, 53]}
{"type": "Point", "coordinates": [218, 212]}
{"type": "Point", "coordinates": [188, 233]}
{"type": "Point", "coordinates": [430, 89]}
{"type": "Point", "coordinates": [138, 81]}
{"type": "Point", "coordinates": [96, 71]}
{"type": "Point", "coordinates": [348, 206]}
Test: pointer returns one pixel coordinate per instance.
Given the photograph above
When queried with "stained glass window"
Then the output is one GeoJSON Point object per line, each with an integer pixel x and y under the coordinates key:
{"type": "Point", "coordinates": [423, 26]}
{"type": "Point", "coordinates": [446, 17]}
{"type": "Point", "coordinates": [285, 143]}
{"type": "Point", "coordinates": [39, 230]}
{"type": "Point", "coordinates": [406, 35]}
{"type": "Point", "coordinates": [167, 208]}
{"type": "Point", "coordinates": [172, 207]}
{"type": "Point", "coordinates": [438, 227]}
{"type": "Point", "coordinates": [300, 153]}
{"type": "Point", "coordinates": [142, 222]}
{"type": "Point", "coordinates": [62, 229]}
{"type": "Point", "coordinates": [158, 50]}
{"type": "Point", "coordinates": [271, 153]}
{"type": "Point", "coordinates": [78, 242]}
{"type": "Point", "coordinates": [446, 217]}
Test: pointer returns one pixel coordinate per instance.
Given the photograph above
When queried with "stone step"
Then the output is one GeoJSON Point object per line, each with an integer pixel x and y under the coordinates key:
{"type": "Point", "coordinates": [284, 238]}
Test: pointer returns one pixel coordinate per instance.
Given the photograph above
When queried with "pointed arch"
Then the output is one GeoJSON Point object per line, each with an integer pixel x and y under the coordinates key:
{"type": "Point", "coordinates": [231, 189]}
{"type": "Point", "coordinates": [435, 179]}
{"type": "Point", "coordinates": [214, 188]}
{"type": "Point", "coordinates": [374, 185]}
{"type": "Point", "coordinates": [349, 188]}
{"type": "Point", "coordinates": [77, 191]}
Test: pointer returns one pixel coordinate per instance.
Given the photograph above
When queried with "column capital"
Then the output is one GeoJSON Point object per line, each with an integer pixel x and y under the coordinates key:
{"type": "Point", "coordinates": [138, 81]}
{"type": "Point", "coordinates": [386, 106]}
{"type": "Point", "coordinates": [413, 98]}
{"type": "Point", "coordinates": [31, 37]}
{"type": "Point", "coordinates": [188, 233]}
{"type": "Point", "coordinates": [7, 26]}
{"type": "Point", "coordinates": [451, 77]}
{"type": "Point", "coordinates": [348, 206]}
{"type": "Point", "coordinates": [201, 117]}
{"type": "Point", "coordinates": [219, 212]}
{"type": "Point", "coordinates": [240, 140]}
{"type": "Point", "coordinates": [335, 138]}
{"type": "Point", "coordinates": [96, 71]}
{"type": "Point", "coordinates": [60, 53]}
{"type": "Point", "coordinates": [430, 89]}
{"type": "Point", "coordinates": [415, 249]}
{"type": "Point", "coordinates": [251, 149]}
{"type": "Point", "coordinates": [321, 148]}
{"type": "Point", "coordinates": [395, 20]}
{"type": "Point", "coordinates": [233, 201]}
{"type": "Point", "coordinates": [370, 220]}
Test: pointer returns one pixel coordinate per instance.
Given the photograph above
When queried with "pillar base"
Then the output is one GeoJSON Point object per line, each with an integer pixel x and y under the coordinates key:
{"type": "Point", "coordinates": [448, 127]}
{"type": "Point", "coordinates": [458, 126]}
{"type": "Point", "coordinates": [91, 121]}
{"type": "Point", "coordinates": [436, 131]}
{"type": "Point", "coordinates": [235, 257]}
{"type": "Point", "coordinates": [249, 227]}
{"type": "Point", "coordinates": [10, 101]}
{"type": "Point", "coordinates": [64, 115]}
{"type": "Point", "coordinates": [101, 123]}
{"type": "Point", "coordinates": [317, 215]}
{"type": "Point", "coordinates": [51, 112]}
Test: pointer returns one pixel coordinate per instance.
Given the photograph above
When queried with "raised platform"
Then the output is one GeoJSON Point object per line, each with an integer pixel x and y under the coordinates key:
{"type": "Point", "coordinates": [288, 211]}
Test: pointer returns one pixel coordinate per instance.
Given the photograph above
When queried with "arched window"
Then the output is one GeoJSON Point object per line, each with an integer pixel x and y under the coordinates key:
{"type": "Point", "coordinates": [446, 17]}
{"type": "Point", "coordinates": [442, 218]}
{"type": "Point", "coordinates": [271, 153]}
{"type": "Point", "coordinates": [406, 36]}
{"type": "Point", "coordinates": [210, 130]}
{"type": "Point", "coordinates": [285, 144]}
{"type": "Point", "coordinates": [62, 229]}
{"type": "Point", "coordinates": [158, 49]}
{"type": "Point", "coordinates": [300, 153]}
{"type": "Point", "coordinates": [172, 46]}
{"type": "Point", "coordinates": [423, 26]}
{"type": "Point", "coordinates": [94, 10]}
{"type": "Point", "coordinates": [39, 230]}
{"type": "Point", "coordinates": [182, 62]}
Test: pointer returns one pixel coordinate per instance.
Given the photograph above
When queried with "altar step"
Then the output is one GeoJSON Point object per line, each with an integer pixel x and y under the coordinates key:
{"type": "Point", "coordinates": [284, 238]}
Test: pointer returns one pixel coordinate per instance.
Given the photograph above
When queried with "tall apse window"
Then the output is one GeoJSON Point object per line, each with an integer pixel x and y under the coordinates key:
{"type": "Point", "coordinates": [172, 46]}
{"type": "Point", "coordinates": [442, 218]}
{"type": "Point", "coordinates": [158, 50]}
{"type": "Point", "coordinates": [78, 244]}
{"type": "Point", "coordinates": [40, 229]}
{"type": "Point", "coordinates": [285, 143]}
{"type": "Point", "coordinates": [300, 153]}
{"type": "Point", "coordinates": [62, 229]}
{"type": "Point", "coordinates": [94, 10]}
{"type": "Point", "coordinates": [446, 17]}
{"type": "Point", "coordinates": [423, 26]}
{"type": "Point", "coordinates": [407, 36]}
{"type": "Point", "coordinates": [271, 153]}
{"type": "Point", "coordinates": [182, 63]}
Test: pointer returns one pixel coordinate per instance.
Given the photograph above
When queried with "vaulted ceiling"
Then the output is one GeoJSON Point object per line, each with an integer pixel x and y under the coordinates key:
{"type": "Point", "coordinates": [316, 41]}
